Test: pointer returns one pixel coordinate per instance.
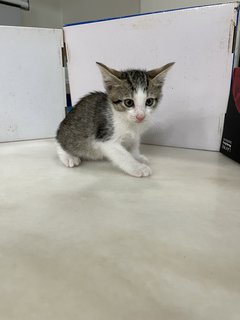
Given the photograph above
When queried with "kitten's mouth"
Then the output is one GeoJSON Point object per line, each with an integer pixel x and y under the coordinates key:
{"type": "Point", "coordinates": [139, 121]}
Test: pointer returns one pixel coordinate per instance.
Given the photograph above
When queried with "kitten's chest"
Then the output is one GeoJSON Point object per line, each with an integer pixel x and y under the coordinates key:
{"type": "Point", "coordinates": [126, 134]}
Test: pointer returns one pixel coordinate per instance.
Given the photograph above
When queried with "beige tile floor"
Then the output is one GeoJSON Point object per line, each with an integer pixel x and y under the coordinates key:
{"type": "Point", "coordinates": [91, 243]}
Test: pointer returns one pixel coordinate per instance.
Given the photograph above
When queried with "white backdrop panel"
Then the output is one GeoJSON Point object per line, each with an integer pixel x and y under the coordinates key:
{"type": "Point", "coordinates": [32, 86]}
{"type": "Point", "coordinates": [199, 40]}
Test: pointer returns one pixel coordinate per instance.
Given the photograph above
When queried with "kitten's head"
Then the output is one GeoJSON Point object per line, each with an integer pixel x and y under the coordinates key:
{"type": "Point", "coordinates": [134, 92]}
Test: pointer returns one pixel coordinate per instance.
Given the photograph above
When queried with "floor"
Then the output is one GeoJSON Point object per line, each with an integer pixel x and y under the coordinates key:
{"type": "Point", "coordinates": [92, 243]}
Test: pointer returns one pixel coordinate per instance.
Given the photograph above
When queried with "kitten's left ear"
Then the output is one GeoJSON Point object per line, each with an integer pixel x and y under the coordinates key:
{"type": "Point", "coordinates": [158, 75]}
{"type": "Point", "coordinates": [110, 76]}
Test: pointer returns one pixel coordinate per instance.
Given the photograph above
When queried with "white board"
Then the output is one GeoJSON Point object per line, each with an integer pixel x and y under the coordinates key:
{"type": "Point", "coordinates": [32, 87]}
{"type": "Point", "coordinates": [199, 40]}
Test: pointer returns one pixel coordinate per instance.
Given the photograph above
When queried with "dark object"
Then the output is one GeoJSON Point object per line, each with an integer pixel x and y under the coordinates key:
{"type": "Point", "coordinates": [69, 103]}
{"type": "Point", "coordinates": [22, 4]}
{"type": "Point", "coordinates": [230, 145]}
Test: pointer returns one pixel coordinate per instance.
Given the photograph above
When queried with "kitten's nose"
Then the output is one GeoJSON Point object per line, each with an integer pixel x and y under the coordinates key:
{"type": "Point", "coordinates": [140, 117]}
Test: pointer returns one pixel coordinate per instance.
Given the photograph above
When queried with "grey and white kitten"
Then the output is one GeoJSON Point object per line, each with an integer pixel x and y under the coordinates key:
{"type": "Point", "coordinates": [109, 125]}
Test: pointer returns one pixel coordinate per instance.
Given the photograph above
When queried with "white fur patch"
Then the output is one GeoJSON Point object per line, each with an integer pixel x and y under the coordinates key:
{"type": "Point", "coordinates": [126, 132]}
{"type": "Point", "coordinates": [140, 99]}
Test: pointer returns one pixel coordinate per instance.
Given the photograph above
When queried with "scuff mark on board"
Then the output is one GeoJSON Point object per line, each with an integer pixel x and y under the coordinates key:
{"type": "Point", "coordinates": [230, 35]}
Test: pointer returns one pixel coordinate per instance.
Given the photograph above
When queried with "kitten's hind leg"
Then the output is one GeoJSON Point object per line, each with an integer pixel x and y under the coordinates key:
{"type": "Point", "coordinates": [67, 159]}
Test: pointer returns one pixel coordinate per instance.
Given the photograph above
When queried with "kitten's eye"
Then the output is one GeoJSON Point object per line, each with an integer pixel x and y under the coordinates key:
{"type": "Point", "coordinates": [149, 102]}
{"type": "Point", "coordinates": [129, 103]}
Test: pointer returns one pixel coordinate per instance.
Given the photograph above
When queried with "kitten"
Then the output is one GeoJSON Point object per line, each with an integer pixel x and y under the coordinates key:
{"type": "Point", "coordinates": [109, 125]}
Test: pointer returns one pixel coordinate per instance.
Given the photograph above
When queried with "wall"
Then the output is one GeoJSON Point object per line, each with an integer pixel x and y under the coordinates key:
{"type": "Point", "coordinates": [154, 5]}
{"type": "Point", "coordinates": [10, 16]}
{"type": "Point", "coordinates": [75, 11]}
{"type": "Point", "coordinates": [56, 13]}
{"type": "Point", "coordinates": [43, 13]}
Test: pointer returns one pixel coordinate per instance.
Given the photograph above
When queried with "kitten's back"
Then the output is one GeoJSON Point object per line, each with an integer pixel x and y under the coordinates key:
{"type": "Point", "coordinates": [90, 119]}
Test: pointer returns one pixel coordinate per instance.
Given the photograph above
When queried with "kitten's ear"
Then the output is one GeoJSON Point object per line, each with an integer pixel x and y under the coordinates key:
{"type": "Point", "coordinates": [158, 75]}
{"type": "Point", "coordinates": [111, 77]}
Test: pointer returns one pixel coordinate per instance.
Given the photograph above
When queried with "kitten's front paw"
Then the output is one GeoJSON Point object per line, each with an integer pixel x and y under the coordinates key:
{"type": "Point", "coordinates": [141, 170]}
{"type": "Point", "coordinates": [141, 158]}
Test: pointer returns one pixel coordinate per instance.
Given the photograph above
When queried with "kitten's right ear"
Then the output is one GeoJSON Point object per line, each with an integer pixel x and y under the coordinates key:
{"type": "Point", "coordinates": [110, 76]}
